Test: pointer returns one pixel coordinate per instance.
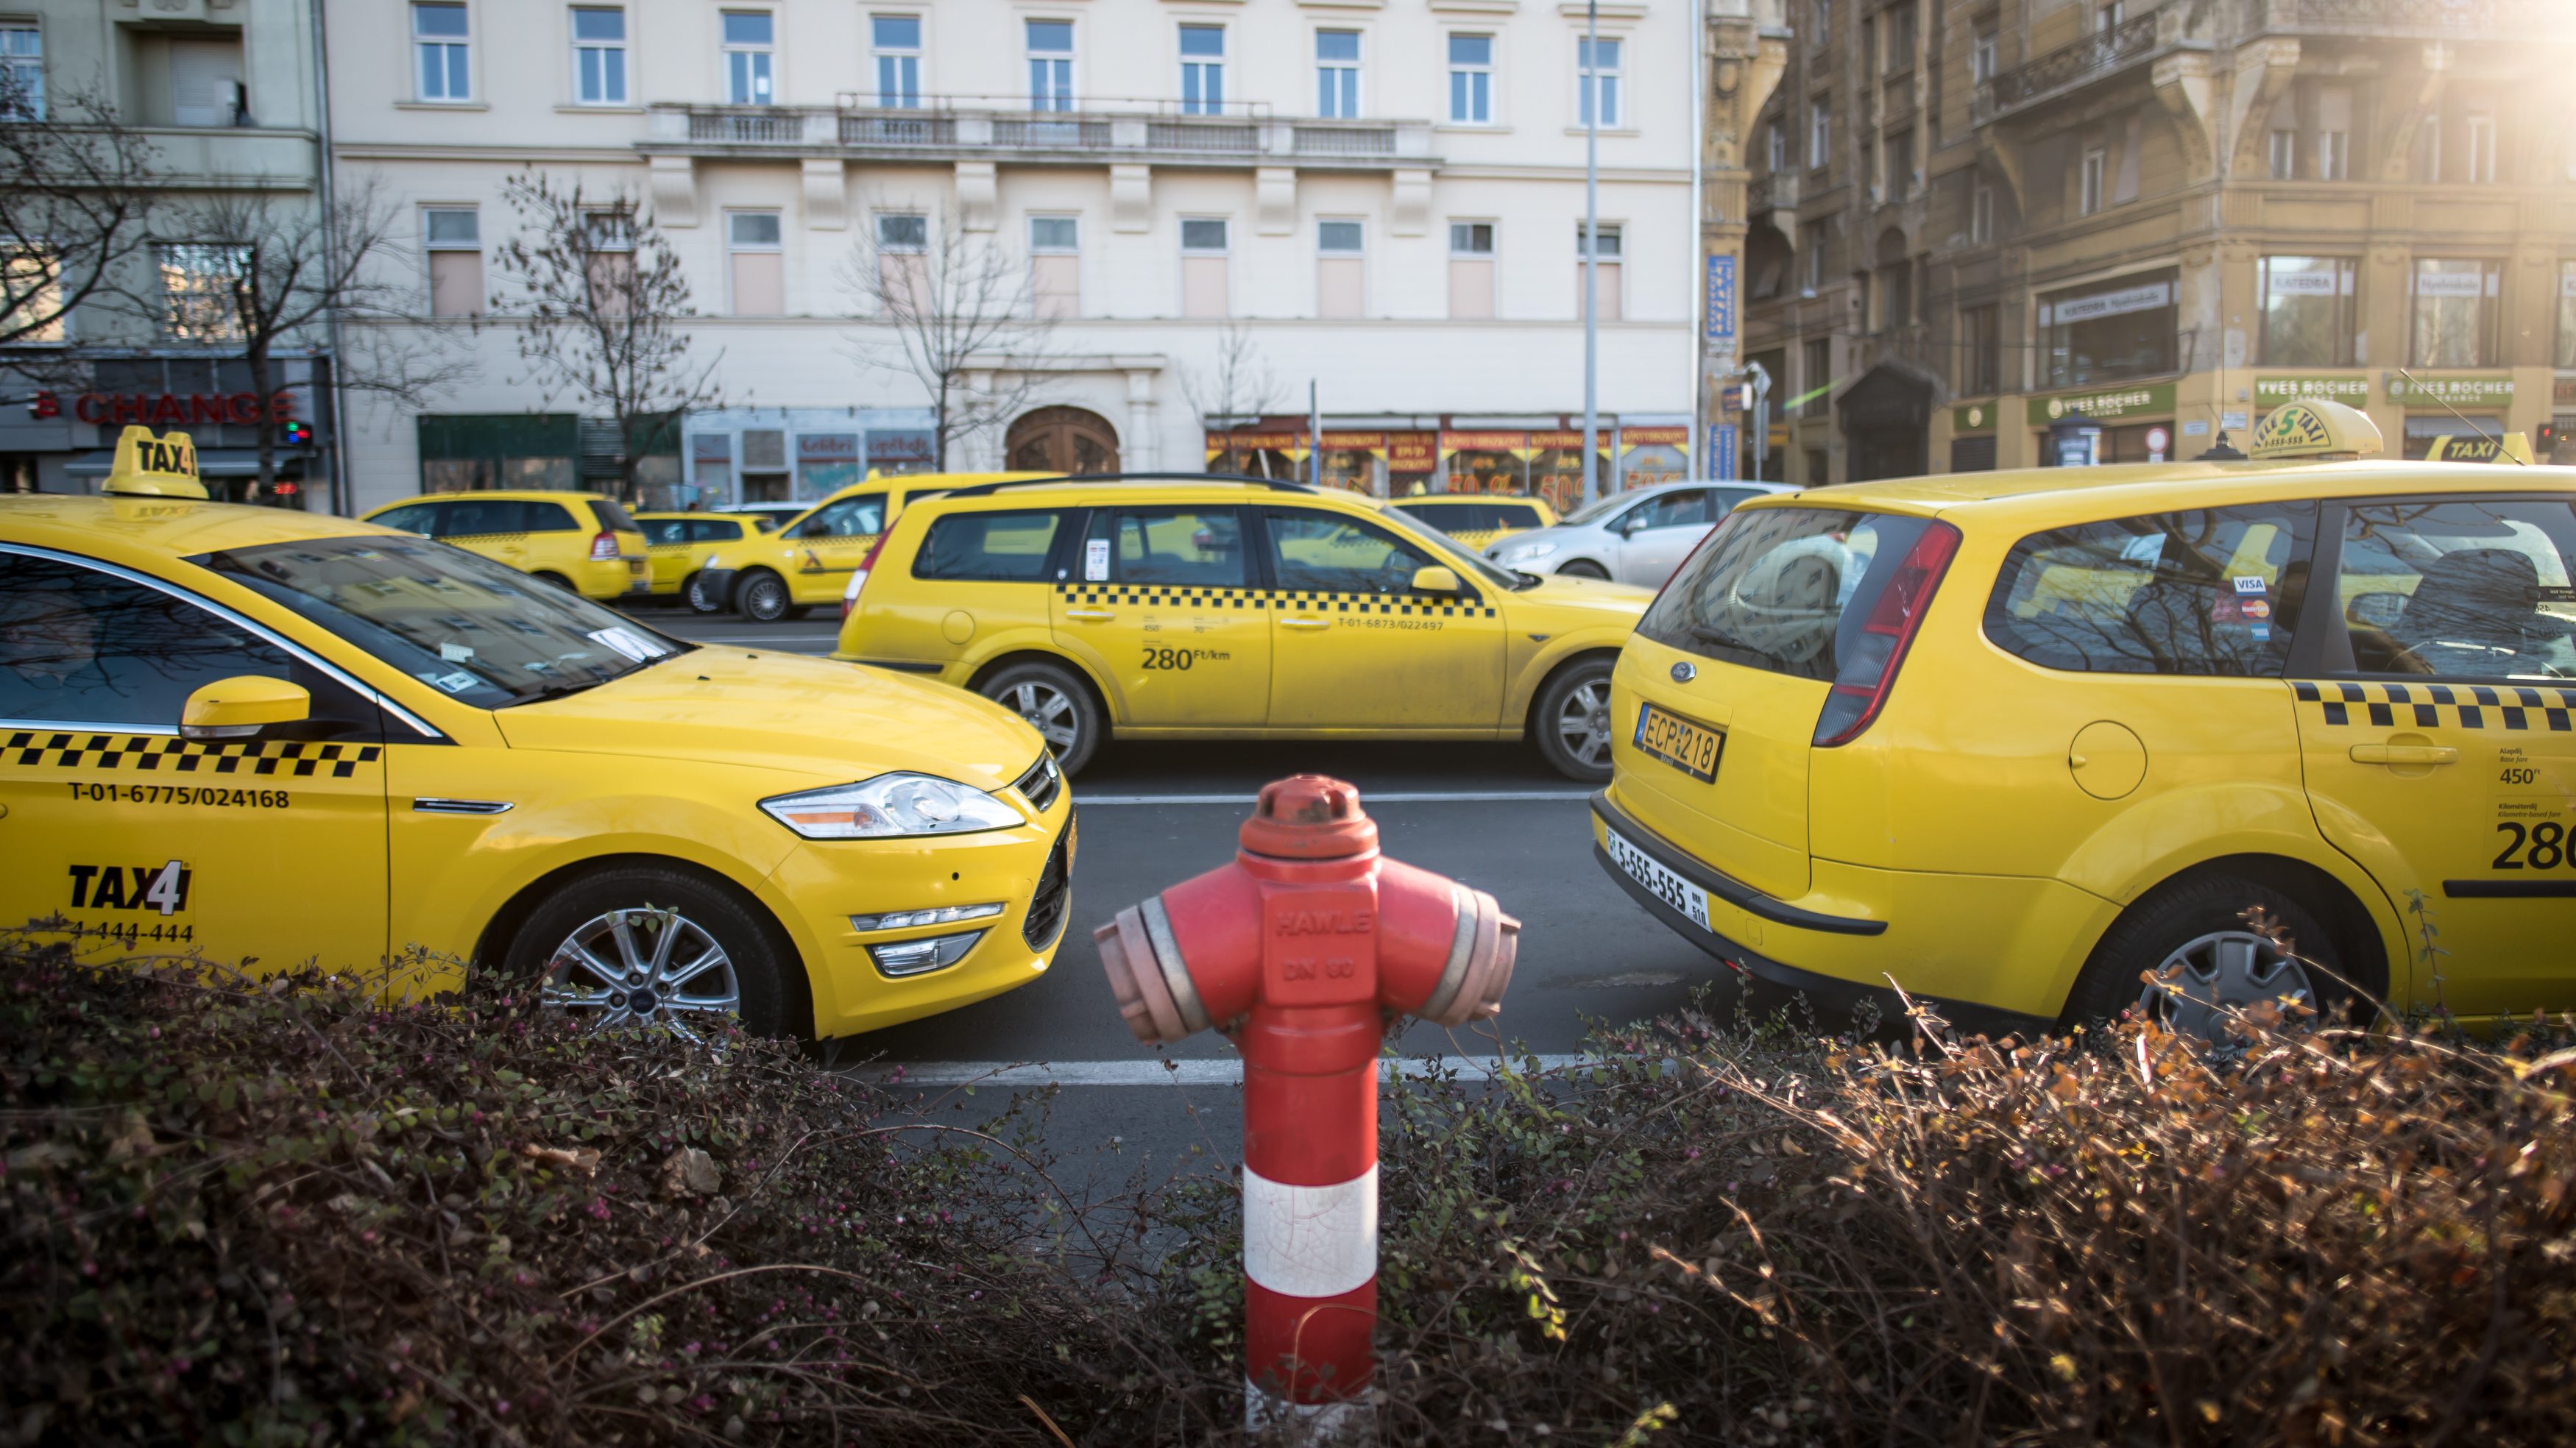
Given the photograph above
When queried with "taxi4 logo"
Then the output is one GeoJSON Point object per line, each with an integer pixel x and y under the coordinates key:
{"type": "Point", "coordinates": [164, 457]}
{"type": "Point", "coordinates": [163, 888]}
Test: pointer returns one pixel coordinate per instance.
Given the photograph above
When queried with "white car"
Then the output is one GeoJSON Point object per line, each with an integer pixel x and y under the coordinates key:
{"type": "Point", "coordinates": [1637, 537]}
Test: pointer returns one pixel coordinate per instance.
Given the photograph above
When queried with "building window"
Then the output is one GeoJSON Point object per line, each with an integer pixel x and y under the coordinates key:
{"type": "Point", "coordinates": [2108, 15]}
{"type": "Point", "coordinates": [1596, 72]}
{"type": "Point", "coordinates": [2430, 138]}
{"type": "Point", "coordinates": [199, 297]}
{"type": "Point", "coordinates": [1202, 70]}
{"type": "Point", "coordinates": [895, 41]}
{"type": "Point", "coordinates": [1050, 65]}
{"type": "Point", "coordinates": [1982, 58]}
{"type": "Point", "coordinates": [438, 40]}
{"type": "Point", "coordinates": [1981, 212]}
{"type": "Point", "coordinates": [1981, 351]}
{"type": "Point", "coordinates": [2285, 155]}
{"type": "Point", "coordinates": [1775, 147]}
{"type": "Point", "coordinates": [1901, 36]}
{"type": "Point", "coordinates": [1055, 265]}
{"type": "Point", "coordinates": [32, 277]}
{"type": "Point", "coordinates": [2120, 328]}
{"type": "Point", "coordinates": [1824, 23]}
{"type": "Point", "coordinates": [1816, 380]}
{"type": "Point", "coordinates": [2566, 316]}
{"type": "Point", "coordinates": [750, 50]}
{"type": "Point", "coordinates": [599, 55]}
{"type": "Point", "coordinates": [1605, 264]}
{"type": "Point", "coordinates": [755, 245]}
{"type": "Point", "coordinates": [1896, 161]}
{"type": "Point", "coordinates": [453, 238]}
{"type": "Point", "coordinates": [205, 74]}
{"type": "Point", "coordinates": [1204, 290]}
{"type": "Point", "coordinates": [2090, 185]}
{"type": "Point", "coordinates": [903, 263]}
{"type": "Point", "coordinates": [1471, 80]}
{"type": "Point", "coordinates": [1337, 74]}
{"type": "Point", "coordinates": [2334, 133]}
{"type": "Point", "coordinates": [22, 71]}
{"type": "Point", "coordinates": [1340, 282]}
{"type": "Point", "coordinates": [1471, 270]}
{"type": "Point", "coordinates": [1811, 240]}
{"type": "Point", "coordinates": [1820, 132]}
{"type": "Point", "coordinates": [2455, 312]}
{"type": "Point", "coordinates": [2308, 311]}
{"type": "Point", "coordinates": [2482, 148]}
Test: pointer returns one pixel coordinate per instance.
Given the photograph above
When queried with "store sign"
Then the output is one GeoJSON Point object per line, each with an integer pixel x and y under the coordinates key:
{"type": "Point", "coordinates": [1975, 417]}
{"type": "Point", "coordinates": [2273, 390]}
{"type": "Point", "coordinates": [827, 447]}
{"type": "Point", "coordinates": [1372, 443]}
{"type": "Point", "coordinates": [2110, 404]}
{"type": "Point", "coordinates": [1653, 436]}
{"type": "Point", "coordinates": [2495, 390]}
{"type": "Point", "coordinates": [895, 447]}
{"type": "Point", "coordinates": [1573, 440]}
{"type": "Point", "coordinates": [1721, 298]}
{"type": "Point", "coordinates": [163, 409]}
{"type": "Point", "coordinates": [2307, 283]}
{"type": "Point", "coordinates": [1510, 442]}
{"type": "Point", "coordinates": [2106, 304]}
{"type": "Point", "coordinates": [2451, 284]}
{"type": "Point", "coordinates": [1412, 452]}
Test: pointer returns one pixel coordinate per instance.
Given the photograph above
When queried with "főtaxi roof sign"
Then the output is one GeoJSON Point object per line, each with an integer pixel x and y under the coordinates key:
{"type": "Point", "coordinates": [2313, 427]}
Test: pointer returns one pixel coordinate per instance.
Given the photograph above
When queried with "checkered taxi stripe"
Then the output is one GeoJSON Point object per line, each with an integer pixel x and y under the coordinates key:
{"type": "Point", "coordinates": [153, 752]}
{"type": "Point", "coordinates": [2427, 706]}
{"type": "Point", "coordinates": [1249, 599]}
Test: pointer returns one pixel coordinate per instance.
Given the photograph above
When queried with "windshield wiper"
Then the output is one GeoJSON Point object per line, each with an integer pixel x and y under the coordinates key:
{"type": "Point", "coordinates": [560, 688]}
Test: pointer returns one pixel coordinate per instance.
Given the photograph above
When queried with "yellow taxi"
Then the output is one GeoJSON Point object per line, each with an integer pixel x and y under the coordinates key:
{"type": "Point", "coordinates": [283, 737]}
{"type": "Point", "coordinates": [1477, 519]}
{"type": "Point", "coordinates": [2011, 739]}
{"type": "Point", "coordinates": [678, 547]}
{"type": "Point", "coordinates": [583, 542]}
{"type": "Point", "coordinates": [1179, 606]}
{"type": "Point", "coordinates": [804, 562]}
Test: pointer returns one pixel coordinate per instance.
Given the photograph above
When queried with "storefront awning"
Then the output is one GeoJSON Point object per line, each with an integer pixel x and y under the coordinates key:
{"type": "Point", "coordinates": [212, 462]}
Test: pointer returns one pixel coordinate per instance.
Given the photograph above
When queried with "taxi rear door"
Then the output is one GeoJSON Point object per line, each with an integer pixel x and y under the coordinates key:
{"type": "Point", "coordinates": [2438, 726]}
{"type": "Point", "coordinates": [1353, 647]}
{"type": "Point", "coordinates": [826, 548]}
{"type": "Point", "coordinates": [496, 528]}
{"type": "Point", "coordinates": [1161, 608]}
{"type": "Point", "coordinates": [270, 848]}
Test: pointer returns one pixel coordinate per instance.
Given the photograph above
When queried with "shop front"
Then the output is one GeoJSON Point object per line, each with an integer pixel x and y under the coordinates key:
{"type": "Point", "coordinates": [799, 454]}
{"type": "Point", "coordinates": [2449, 406]}
{"type": "Point", "coordinates": [2136, 423]}
{"type": "Point", "coordinates": [64, 439]}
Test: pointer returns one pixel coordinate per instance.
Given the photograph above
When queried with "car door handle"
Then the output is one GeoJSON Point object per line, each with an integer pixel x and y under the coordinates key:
{"type": "Point", "coordinates": [1090, 615]}
{"type": "Point", "coordinates": [1305, 621]}
{"type": "Point", "coordinates": [2404, 754]}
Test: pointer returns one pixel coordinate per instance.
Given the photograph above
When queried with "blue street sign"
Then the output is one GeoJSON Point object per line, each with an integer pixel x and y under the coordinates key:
{"type": "Point", "coordinates": [1721, 298]}
{"type": "Point", "coordinates": [1721, 451]}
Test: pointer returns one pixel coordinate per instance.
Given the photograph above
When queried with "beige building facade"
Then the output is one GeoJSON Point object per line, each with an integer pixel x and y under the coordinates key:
{"type": "Point", "coordinates": [1382, 196]}
{"type": "Point", "coordinates": [1973, 221]}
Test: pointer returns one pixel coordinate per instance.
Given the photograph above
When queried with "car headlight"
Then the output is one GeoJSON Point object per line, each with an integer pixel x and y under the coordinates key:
{"type": "Point", "coordinates": [889, 806]}
{"type": "Point", "coordinates": [1514, 553]}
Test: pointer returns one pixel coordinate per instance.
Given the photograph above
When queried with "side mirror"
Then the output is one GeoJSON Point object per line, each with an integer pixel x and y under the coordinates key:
{"type": "Point", "coordinates": [238, 707]}
{"type": "Point", "coordinates": [1436, 579]}
{"type": "Point", "coordinates": [1633, 524]}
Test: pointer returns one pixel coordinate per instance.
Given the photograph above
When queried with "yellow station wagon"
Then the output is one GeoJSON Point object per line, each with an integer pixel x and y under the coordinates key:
{"type": "Point", "coordinates": [680, 547]}
{"type": "Point", "coordinates": [580, 541]}
{"type": "Point", "coordinates": [1214, 608]}
{"type": "Point", "coordinates": [806, 561]}
{"type": "Point", "coordinates": [2010, 739]}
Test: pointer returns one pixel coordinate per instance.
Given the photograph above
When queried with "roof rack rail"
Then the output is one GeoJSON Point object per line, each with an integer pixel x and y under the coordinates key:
{"type": "Point", "coordinates": [986, 490]}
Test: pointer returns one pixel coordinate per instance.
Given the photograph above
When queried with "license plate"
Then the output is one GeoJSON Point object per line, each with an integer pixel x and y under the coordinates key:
{"type": "Point", "coordinates": [1650, 872]}
{"type": "Point", "coordinates": [1691, 748]}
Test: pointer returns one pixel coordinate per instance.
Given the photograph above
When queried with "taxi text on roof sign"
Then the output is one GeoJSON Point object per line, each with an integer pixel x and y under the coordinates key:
{"type": "Point", "coordinates": [154, 467]}
{"type": "Point", "coordinates": [2513, 447]}
{"type": "Point", "coordinates": [2314, 427]}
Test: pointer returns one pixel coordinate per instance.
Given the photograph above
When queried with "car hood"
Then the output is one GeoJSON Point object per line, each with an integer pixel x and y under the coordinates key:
{"type": "Point", "coordinates": [834, 721]}
{"type": "Point", "coordinates": [1556, 533]}
{"type": "Point", "coordinates": [1612, 602]}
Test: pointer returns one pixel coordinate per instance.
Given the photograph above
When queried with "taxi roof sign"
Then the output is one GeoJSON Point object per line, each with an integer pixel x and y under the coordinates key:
{"type": "Point", "coordinates": [2312, 427]}
{"type": "Point", "coordinates": [154, 467]}
{"type": "Point", "coordinates": [2513, 447]}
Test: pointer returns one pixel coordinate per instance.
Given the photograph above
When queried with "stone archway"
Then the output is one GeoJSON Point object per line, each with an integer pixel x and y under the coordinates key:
{"type": "Point", "coordinates": [1061, 440]}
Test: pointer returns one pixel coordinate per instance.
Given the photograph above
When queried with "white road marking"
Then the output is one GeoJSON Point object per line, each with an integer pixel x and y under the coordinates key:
{"type": "Point", "coordinates": [1219, 1071]}
{"type": "Point", "coordinates": [1367, 797]}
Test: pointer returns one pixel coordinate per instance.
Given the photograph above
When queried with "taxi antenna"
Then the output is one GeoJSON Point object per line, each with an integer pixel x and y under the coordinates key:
{"type": "Point", "coordinates": [2464, 417]}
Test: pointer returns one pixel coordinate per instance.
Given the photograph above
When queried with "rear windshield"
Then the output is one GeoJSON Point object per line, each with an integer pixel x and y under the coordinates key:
{"type": "Point", "coordinates": [1784, 590]}
{"type": "Point", "coordinates": [1472, 517]}
{"type": "Point", "coordinates": [997, 547]}
{"type": "Point", "coordinates": [611, 516]}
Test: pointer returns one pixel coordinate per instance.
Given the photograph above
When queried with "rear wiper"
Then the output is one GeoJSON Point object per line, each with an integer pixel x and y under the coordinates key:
{"type": "Point", "coordinates": [1720, 639]}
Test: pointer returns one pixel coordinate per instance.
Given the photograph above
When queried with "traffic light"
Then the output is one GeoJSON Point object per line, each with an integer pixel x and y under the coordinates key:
{"type": "Point", "coordinates": [296, 433]}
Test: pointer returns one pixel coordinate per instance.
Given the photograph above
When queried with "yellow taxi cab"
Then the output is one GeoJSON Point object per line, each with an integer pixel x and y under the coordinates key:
{"type": "Point", "coordinates": [584, 542]}
{"type": "Point", "coordinates": [1191, 606]}
{"type": "Point", "coordinates": [804, 562]}
{"type": "Point", "coordinates": [678, 547]}
{"type": "Point", "coordinates": [281, 737]}
{"type": "Point", "coordinates": [2011, 739]}
{"type": "Point", "coordinates": [1477, 519]}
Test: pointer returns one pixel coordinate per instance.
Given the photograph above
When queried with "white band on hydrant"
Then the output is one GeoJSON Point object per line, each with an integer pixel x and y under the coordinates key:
{"type": "Point", "coordinates": [1310, 1241]}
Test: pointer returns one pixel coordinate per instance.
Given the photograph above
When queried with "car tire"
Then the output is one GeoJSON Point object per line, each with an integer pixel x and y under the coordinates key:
{"type": "Point", "coordinates": [764, 597]}
{"type": "Point", "coordinates": [677, 987]}
{"type": "Point", "coordinates": [697, 596]}
{"type": "Point", "coordinates": [1057, 704]}
{"type": "Point", "coordinates": [2196, 927]}
{"type": "Point", "coordinates": [1585, 568]}
{"type": "Point", "coordinates": [1572, 721]}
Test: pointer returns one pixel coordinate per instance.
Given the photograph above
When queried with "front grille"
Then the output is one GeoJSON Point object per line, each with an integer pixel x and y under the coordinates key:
{"type": "Point", "coordinates": [1040, 784]}
{"type": "Point", "coordinates": [1054, 894]}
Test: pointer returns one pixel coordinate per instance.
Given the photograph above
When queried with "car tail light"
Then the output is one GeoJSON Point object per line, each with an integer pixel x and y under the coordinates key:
{"type": "Point", "coordinates": [603, 547]}
{"type": "Point", "coordinates": [1868, 670]}
{"type": "Point", "coordinates": [859, 579]}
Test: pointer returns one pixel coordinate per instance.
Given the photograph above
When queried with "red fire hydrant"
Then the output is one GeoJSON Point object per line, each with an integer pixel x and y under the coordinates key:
{"type": "Point", "coordinates": [1302, 951]}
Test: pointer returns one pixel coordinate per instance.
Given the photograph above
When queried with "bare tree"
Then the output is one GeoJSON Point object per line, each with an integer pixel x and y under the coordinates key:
{"type": "Point", "coordinates": [76, 192]}
{"type": "Point", "coordinates": [1237, 388]}
{"type": "Point", "coordinates": [261, 274]}
{"type": "Point", "coordinates": [941, 305]}
{"type": "Point", "coordinates": [599, 298]}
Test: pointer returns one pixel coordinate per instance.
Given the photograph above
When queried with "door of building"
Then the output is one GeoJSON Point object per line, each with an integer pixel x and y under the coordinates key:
{"type": "Point", "coordinates": [1062, 440]}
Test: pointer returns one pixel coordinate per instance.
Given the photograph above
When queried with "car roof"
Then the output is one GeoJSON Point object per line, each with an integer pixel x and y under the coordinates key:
{"type": "Point", "coordinates": [543, 495]}
{"type": "Point", "coordinates": [172, 527]}
{"type": "Point", "coordinates": [1178, 487]}
{"type": "Point", "coordinates": [2121, 489]}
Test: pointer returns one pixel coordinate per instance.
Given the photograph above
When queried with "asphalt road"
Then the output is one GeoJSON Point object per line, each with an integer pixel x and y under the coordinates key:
{"type": "Point", "coordinates": [1153, 814]}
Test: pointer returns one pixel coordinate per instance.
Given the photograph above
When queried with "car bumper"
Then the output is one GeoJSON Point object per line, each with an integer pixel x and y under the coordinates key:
{"type": "Point", "coordinates": [1027, 870]}
{"type": "Point", "coordinates": [1988, 953]}
{"type": "Point", "coordinates": [613, 579]}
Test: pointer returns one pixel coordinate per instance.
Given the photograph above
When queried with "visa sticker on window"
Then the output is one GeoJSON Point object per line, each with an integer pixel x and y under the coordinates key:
{"type": "Point", "coordinates": [1095, 560]}
{"type": "Point", "coordinates": [2249, 585]}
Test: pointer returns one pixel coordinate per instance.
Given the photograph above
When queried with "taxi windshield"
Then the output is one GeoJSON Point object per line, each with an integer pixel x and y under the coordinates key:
{"type": "Point", "coordinates": [481, 632]}
{"type": "Point", "coordinates": [1446, 547]}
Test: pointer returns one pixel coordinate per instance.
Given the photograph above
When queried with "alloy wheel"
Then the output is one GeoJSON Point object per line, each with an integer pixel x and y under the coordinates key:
{"type": "Point", "coordinates": [1583, 723]}
{"type": "Point", "coordinates": [643, 967]}
{"type": "Point", "coordinates": [1047, 710]}
{"type": "Point", "coordinates": [2200, 981]}
{"type": "Point", "coordinates": [765, 600]}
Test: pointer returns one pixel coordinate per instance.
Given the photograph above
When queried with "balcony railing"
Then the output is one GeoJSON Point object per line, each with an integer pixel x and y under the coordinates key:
{"type": "Point", "coordinates": [2099, 54]}
{"type": "Point", "coordinates": [747, 126]}
{"type": "Point", "coordinates": [898, 128]}
{"type": "Point", "coordinates": [1100, 130]}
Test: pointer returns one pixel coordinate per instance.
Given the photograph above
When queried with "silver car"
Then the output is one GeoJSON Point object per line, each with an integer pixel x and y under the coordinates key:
{"type": "Point", "coordinates": [1636, 537]}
